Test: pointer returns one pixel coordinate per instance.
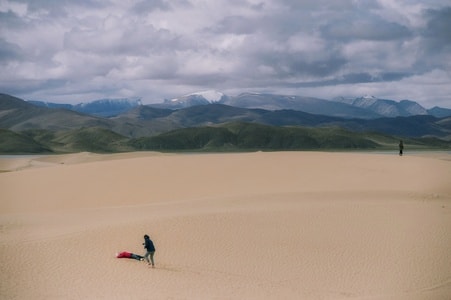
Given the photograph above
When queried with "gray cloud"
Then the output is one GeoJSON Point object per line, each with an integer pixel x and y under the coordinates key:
{"type": "Point", "coordinates": [437, 32]}
{"type": "Point", "coordinates": [365, 29]}
{"type": "Point", "coordinates": [353, 78]}
{"type": "Point", "coordinates": [120, 37]}
{"type": "Point", "coordinates": [9, 51]}
{"type": "Point", "coordinates": [148, 6]}
{"type": "Point", "coordinates": [9, 19]}
{"type": "Point", "coordinates": [67, 50]}
{"type": "Point", "coordinates": [234, 25]}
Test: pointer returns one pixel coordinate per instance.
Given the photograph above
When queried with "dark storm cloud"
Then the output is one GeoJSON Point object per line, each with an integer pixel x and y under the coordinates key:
{"type": "Point", "coordinates": [289, 65]}
{"type": "Point", "coordinates": [365, 29]}
{"type": "Point", "coordinates": [9, 51]}
{"type": "Point", "coordinates": [438, 28]}
{"type": "Point", "coordinates": [10, 20]}
{"type": "Point", "coordinates": [353, 78]}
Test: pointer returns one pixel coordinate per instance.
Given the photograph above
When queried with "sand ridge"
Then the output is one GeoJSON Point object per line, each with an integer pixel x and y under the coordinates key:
{"type": "Point", "coordinates": [292, 225]}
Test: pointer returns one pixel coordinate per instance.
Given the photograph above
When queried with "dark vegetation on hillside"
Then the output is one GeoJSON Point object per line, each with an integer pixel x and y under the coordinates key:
{"type": "Point", "coordinates": [246, 136]}
{"type": "Point", "coordinates": [12, 142]}
{"type": "Point", "coordinates": [228, 137]}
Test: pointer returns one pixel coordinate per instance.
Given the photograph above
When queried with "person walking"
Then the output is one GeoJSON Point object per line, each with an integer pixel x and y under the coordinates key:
{"type": "Point", "coordinates": [401, 147]}
{"type": "Point", "coordinates": [150, 250]}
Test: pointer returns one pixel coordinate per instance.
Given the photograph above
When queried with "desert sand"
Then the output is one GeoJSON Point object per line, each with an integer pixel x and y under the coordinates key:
{"type": "Point", "coordinates": [279, 225]}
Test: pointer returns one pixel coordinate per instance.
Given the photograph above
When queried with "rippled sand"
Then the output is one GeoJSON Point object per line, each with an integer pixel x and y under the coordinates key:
{"type": "Point", "coordinates": [280, 225]}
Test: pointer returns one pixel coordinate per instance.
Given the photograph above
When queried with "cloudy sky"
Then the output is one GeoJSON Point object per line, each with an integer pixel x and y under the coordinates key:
{"type": "Point", "coordinates": [80, 50]}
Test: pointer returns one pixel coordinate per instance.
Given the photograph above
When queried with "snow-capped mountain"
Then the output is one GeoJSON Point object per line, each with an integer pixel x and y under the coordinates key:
{"type": "Point", "coordinates": [211, 96]}
{"type": "Point", "coordinates": [310, 105]}
{"type": "Point", "coordinates": [50, 104]}
{"type": "Point", "coordinates": [193, 99]}
{"type": "Point", "coordinates": [101, 107]}
{"type": "Point", "coordinates": [112, 102]}
{"type": "Point", "coordinates": [384, 107]}
{"type": "Point", "coordinates": [366, 107]}
{"type": "Point", "coordinates": [365, 101]}
{"type": "Point", "coordinates": [107, 107]}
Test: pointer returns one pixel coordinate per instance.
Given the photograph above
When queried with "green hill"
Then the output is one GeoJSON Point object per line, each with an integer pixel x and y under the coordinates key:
{"type": "Point", "coordinates": [91, 139]}
{"type": "Point", "coordinates": [12, 142]}
{"type": "Point", "coordinates": [187, 139]}
{"type": "Point", "coordinates": [250, 136]}
{"type": "Point", "coordinates": [226, 137]}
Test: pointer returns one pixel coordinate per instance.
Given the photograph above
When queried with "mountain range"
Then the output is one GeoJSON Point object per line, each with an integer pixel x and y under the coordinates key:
{"type": "Point", "coordinates": [366, 107]}
{"type": "Point", "coordinates": [101, 108]}
{"type": "Point", "coordinates": [141, 127]}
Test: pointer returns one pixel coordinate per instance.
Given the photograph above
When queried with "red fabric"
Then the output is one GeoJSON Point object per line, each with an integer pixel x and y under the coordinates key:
{"type": "Point", "coordinates": [124, 254]}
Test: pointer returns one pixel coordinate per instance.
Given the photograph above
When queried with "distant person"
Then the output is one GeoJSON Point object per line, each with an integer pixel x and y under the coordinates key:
{"type": "Point", "coordinates": [150, 248]}
{"type": "Point", "coordinates": [401, 147]}
{"type": "Point", "coordinates": [125, 254]}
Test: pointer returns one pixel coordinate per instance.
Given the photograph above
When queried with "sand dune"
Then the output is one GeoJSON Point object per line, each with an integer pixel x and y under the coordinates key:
{"type": "Point", "coordinates": [282, 225]}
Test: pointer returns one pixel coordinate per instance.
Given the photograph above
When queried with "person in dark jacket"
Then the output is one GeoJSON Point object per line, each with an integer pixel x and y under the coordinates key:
{"type": "Point", "coordinates": [401, 147]}
{"type": "Point", "coordinates": [150, 250]}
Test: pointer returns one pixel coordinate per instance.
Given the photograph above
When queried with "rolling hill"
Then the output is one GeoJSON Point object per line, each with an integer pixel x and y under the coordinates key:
{"type": "Point", "coordinates": [29, 128]}
{"type": "Point", "coordinates": [18, 115]}
{"type": "Point", "coordinates": [12, 142]}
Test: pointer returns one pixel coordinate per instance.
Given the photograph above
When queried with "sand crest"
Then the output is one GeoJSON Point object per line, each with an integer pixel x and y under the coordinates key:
{"type": "Point", "coordinates": [281, 225]}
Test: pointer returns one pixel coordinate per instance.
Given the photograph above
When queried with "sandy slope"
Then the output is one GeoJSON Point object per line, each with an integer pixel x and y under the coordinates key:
{"type": "Point", "coordinates": [287, 225]}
